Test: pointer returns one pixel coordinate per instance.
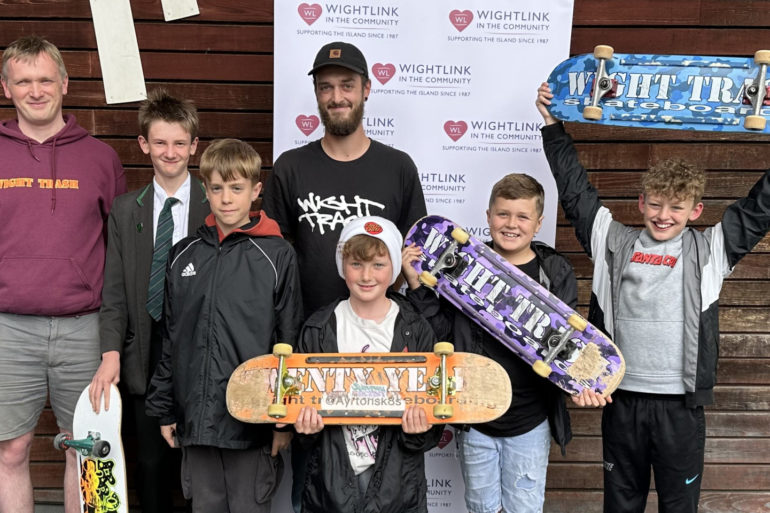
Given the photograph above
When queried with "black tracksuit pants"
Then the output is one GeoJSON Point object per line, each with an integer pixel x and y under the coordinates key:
{"type": "Point", "coordinates": [643, 431]}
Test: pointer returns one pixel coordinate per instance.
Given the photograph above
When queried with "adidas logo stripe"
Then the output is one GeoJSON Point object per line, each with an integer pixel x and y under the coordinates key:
{"type": "Point", "coordinates": [189, 270]}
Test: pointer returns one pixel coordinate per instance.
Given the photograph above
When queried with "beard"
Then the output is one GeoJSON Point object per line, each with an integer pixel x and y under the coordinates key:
{"type": "Point", "coordinates": [341, 126]}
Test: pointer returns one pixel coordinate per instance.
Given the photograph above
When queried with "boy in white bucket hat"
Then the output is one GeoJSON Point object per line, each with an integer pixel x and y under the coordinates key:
{"type": "Point", "coordinates": [367, 468]}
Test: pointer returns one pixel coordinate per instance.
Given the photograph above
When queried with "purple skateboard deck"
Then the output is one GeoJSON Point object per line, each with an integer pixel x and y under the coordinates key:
{"type": "Point", "coordinates": [524, 316]}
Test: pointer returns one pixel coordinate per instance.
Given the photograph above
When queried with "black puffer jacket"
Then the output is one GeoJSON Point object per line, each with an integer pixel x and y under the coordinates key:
{"type": "Point", "coordinates": [225, 302]}
{"type": "Point", "coordinates": [450, 324]}
{"type": "Point", "coordinates": [398, 484]}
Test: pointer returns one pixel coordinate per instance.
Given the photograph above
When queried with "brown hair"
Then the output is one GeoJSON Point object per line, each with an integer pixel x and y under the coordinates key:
{"type": "Point", "coordinates": [231, 158]}
{"type": "Point", "coordinates": [27, 49]}
{"type": "Point", "coordinates": [519, 186]}
{"type": "Point", "coordinates": [161, 106]}
{"type": "Point", "coordinates": [364, 248]}
{"type": "Point", "coordinates": [675, 179]}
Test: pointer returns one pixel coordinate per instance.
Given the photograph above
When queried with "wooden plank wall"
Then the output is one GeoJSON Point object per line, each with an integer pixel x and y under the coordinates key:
{"type": "Point", "coordinates": [222, 60]}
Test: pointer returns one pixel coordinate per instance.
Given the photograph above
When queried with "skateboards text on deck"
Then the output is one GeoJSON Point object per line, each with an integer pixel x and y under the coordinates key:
{"type": "Point", "coordinates": [369, 388]}
{"type": "Point", "coordinates": [102, 466]}
{"type": "Point", "coordinates": [685, 92]}
{"type": "Point", "coordinates": [533, 323]}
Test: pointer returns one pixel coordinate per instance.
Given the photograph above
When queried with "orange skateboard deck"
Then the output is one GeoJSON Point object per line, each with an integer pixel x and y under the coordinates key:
{"type": "Point", "coordinates": [369, 388]}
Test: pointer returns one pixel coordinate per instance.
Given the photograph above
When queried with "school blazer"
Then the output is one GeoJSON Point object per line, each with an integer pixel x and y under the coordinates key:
{"type": "Point", "coordinates": [124, 324]}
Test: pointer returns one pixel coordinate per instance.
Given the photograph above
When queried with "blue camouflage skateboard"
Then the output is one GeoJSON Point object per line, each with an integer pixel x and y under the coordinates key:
{"type": "Point", "coordinates": [684, 92]}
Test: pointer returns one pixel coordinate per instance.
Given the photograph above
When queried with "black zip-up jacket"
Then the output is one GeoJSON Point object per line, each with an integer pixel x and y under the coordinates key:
{"type": "Point", "coordinates": [450, 324]}
{"type": "Point", "coordinates": [708, 256]}
{"type": "Point", "coordinates": [398, 484]}
{"type": "Point", "coordinates": [226, 301]}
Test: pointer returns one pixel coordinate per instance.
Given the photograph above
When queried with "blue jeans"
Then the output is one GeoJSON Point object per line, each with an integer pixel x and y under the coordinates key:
{"type": "Point", "coordinates": [505, 473]}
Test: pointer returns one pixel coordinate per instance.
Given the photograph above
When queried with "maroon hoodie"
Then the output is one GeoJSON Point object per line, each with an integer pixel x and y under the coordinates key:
{"type": "Point", "coordinates": [54, 200]}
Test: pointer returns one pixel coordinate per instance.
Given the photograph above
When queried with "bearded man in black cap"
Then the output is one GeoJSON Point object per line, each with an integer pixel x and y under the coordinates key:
{"type": "Point", "coordinates": [318, 188]}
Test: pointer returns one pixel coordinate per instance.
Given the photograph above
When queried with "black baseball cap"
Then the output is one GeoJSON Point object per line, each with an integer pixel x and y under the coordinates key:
{"type": "Point", "coordinates": [340, 54]}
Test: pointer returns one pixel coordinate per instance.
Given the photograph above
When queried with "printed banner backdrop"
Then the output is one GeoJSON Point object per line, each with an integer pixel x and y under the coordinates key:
{"type": "Point", "coordinates": [453, 85]}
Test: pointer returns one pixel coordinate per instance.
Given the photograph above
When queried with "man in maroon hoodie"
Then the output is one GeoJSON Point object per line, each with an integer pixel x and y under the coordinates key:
{"type": "Point", "coordinates": [57, 184]}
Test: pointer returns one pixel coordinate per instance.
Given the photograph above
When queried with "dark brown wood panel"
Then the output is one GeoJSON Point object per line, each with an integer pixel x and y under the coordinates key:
{"type": "Point", "coordinates": [151, 36]}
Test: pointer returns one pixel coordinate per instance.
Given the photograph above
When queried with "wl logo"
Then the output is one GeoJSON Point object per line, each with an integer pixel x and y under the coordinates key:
{"type": "Point", "coordinates": [455, 129]}
{"type": "Point", "coordinates": [383, 72]}
{"type": "Point", "coordinates": [307, 124]}
{"type": "Point", "coordinates": [309, 12]}
{"type": "Point", "coordinates": [460, 19]}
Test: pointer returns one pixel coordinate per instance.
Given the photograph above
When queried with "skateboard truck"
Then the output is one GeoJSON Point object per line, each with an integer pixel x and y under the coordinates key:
{"type": "Point", "coordinates": [558, 343]}
{"type": "Point", "coordinates": [284, 384]}
{"type": "Point", "coordinates": [92, 445]}
{"type": "Point", "coordinates": [447, 260]}
{"type": "Point", "coordinates": [603, 84]}
{"type": "Point", "coordinates": [440, 384]}
{"type": "Point", "coordinates": [758, 94]}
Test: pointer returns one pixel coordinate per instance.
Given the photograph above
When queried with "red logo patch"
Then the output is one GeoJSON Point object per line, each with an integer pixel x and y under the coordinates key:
{"type": "Point", "coordinates": [446, 437]}
{"type": "Point", "coordinates": [309, 12]}
{"type": "Point", "coordinates": [372, 228]}
{"type": "Point", "coordinates": [460, 19]}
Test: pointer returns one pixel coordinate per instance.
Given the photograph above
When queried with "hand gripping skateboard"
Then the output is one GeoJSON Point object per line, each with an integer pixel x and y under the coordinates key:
{"type": "Point", "coordinates": [369, 388]}
{"type": "Point", "coordinates": [686, 92]}
{"type": "Point", "coordinates": [102, 466]}
{"type": "Point", "coordinates": [533, 323]}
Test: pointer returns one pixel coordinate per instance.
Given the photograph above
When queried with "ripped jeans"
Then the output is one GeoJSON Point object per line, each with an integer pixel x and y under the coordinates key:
{"type": "Point", "coordinates": [505, 474]}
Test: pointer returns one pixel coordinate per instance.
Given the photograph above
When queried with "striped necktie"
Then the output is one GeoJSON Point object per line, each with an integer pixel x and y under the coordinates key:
{"type": "Point", "coordinates": [163, 235]}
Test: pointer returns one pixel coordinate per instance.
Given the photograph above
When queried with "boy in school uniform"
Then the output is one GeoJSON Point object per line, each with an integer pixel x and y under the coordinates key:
{"type": "Point", "coordinates": [655, 292]}
{"type": "Point", "coordinates": [367, 469]}
{"type": "Point", "coordinates": [504, 462]}
{"type": "Point", "coordinates": [232, 291]}
{"type": "Point", "coordinates": [129, 327]}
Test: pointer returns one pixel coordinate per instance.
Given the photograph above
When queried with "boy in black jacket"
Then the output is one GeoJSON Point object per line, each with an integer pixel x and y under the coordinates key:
{"type": "Point", "coordinates": [655, 291]}
{"type": "Point", "coordinates": [232, 291]}
{"type": "Point", "coordinates": [504, 461]}
{"type": "Point", "coordinates": [367, 469]}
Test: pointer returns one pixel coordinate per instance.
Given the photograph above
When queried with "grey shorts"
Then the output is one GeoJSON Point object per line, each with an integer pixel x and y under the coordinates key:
{"type": "Point", "coordinates": [40, 356]}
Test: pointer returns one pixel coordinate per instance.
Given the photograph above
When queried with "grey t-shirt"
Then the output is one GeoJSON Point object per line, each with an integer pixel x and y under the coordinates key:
{"type": "Point", "coordinates": [650, 317]}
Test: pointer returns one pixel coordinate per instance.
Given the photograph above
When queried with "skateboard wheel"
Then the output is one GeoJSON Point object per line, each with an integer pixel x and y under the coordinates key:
{"type": "Point", "coordinates": [443, 411]}
{"type": "Point", "coordinates": [284, 350]}
{"type": "Point", "coordinates": [762, 57]}
{"type": "Point", "coordinates": [541, 368]}
{"type": "Point", "coordinates": [101, 448]}
{"type": "Point", "coordinates": [58, 441]}
{"type": "Point", "coordinates": [460, 235]}
{"type": "Point", "coordinates": [428, 279]}
{"type": "Point", "coordinates": [443, 349]}
{"type": "Point", "coordinates": [577, 322]}
{"type": "Point", "coordinates": [277, 411]}
{"type": "Point", "coordinates": [603, 52]}
{"type": "Point", "coordinates": [754, 122]}
{"type": "Point", "coordinates": [592, 113]}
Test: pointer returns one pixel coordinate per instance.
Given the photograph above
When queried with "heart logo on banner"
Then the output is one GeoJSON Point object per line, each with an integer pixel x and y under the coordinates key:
{"type": "Point", "coordinates": [307, 124]}
{"type": "Point", "coordinates": [461, 19]}
{"type": "Point", "coordinates": [446, 437]}
{"type": "Point", "coordinates": [383, 72]}
{"type": "Point", "coordinates": [455, 129]}
{"type": "Point", "coordinates": [309, 12]}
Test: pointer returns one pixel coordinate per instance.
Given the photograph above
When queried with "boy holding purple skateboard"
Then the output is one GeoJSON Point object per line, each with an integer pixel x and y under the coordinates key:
{"type": "Point", "coordinates": [504, 462]}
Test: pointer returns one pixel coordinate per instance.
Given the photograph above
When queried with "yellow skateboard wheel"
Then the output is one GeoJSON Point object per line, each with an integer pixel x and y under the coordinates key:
{"type": "Point", "coordinates": [762, 57]}
{"type": "Point", "coordinates": [577, 322]}
{"type": "Point", "coordinates": [460, 235]}
{"type": "Point", "coordinates": [428, 279]}
{"type": "Point", "coordinates": [753, 122]}
{"type": "Point", "coordinates": [443, 411]}
{"type": "Point", "coordinates": [541, 368]}
{"type": "Point", "coordinates": [277, 411]}
{"type": "Point", "coordinates": [284, 350]}
{"type": "Point", "coordinates": [603, 52]}
{"type": "Point", "coordinates": [592, 113]}
{"type": "Point", "coordinates": [443, 349]}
